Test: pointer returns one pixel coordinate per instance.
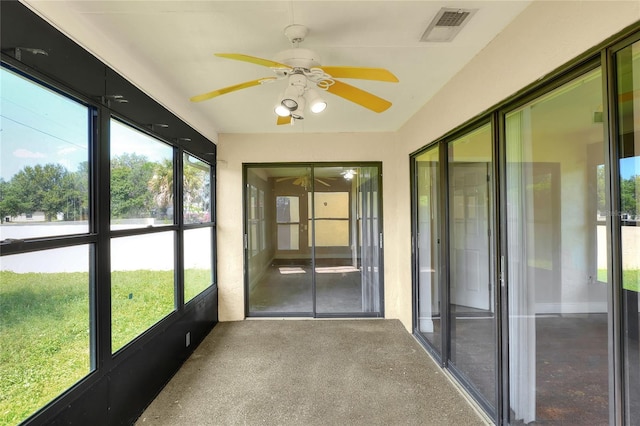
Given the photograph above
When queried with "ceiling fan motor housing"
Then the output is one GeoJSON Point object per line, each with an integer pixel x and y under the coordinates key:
{"type": "Point", "coordinates": [299, 58]}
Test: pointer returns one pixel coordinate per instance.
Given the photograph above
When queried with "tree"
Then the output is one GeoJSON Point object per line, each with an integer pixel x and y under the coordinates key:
{"type": "Point", "coordinates": [629, 199]}
{"type": "Point", "coordinates": [130, 196]}
{"type": "Point", "coordinates": [161, 185]}
{"type": "Point", "coordinates": [49, 188]}
{"type": "Point", "coordinates": [10, 202]}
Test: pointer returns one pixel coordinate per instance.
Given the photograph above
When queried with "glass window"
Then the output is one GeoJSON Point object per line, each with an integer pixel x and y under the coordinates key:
{"type": "Point", "coordinates": [331, 219]}
{"type": "Point", "coordinates": [196, 181]}
{"type": "Point", "coordinates": [44, 326]}
{"type": "Point", "coordinates": [471, 278]}
{"type": "Point", "coordinates": [197, 261]}
{"type": "Point", "coordinates": [628, 95]}
{"type": "Point", "coordinates": [141, 179]}
{"type": "Point", "coordinates": [558, 326]}
{"type": "Point", "coordinates": [288, 220]}
{"type": "Point", "coordinates": [428, 247]}
{"type": "Point", "coordinates": [142, 284]}
{"type": "Point", "coordinates": [44, 172]}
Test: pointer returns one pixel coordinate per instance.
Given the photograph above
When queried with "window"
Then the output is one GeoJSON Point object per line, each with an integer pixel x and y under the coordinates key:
{"type": "Point", "coordinates": [141, 179]}
{"type": "Point", "coordinates": [44, 172]}
{"type": "Point", "coordinates": [45, 297]}
{"type": "Point", "coordinates": [288, 220]}
{"type": "Point", "coordinates": [142, 284]}
{"type": "Point", "coordinates": [45, 327]}
{"type": "Point", "coordinates": [331, 219]}
{"type": "Point", "coordinates": [198, 275]}
{"type": "Point", "coordinates": [196, 182]}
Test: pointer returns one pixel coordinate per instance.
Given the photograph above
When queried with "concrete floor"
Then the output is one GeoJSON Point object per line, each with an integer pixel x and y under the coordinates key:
{"type": "Point", "coordinates": [310, 372]}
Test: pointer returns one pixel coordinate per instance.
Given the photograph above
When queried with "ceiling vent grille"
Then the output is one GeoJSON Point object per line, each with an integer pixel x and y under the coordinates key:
{"type": "Point", "coordinates": [447, 24]}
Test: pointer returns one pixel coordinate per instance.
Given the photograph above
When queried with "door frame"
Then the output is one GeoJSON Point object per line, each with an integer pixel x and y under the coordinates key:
{"type": "Point", "coordinates": [246, 249]}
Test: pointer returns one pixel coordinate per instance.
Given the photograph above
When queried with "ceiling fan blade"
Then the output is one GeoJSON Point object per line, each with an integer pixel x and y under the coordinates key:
{"type": "Point", "coordinates": [253, 60]}
{"type": "Point", "coordinates": [322, 182]}
{"type": "Point", "coordinates": [283, 120]}
{"type": "Point", "coordinates": [209, 95]}
{"type": "Point", "coordinates": [358, 96]}
{"type": "Point", "coordinates": [362, 73]}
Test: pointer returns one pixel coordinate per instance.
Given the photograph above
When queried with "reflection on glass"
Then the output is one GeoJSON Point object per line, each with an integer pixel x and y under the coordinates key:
{"type": "Point", "coordinates": [428, 255]}
{"type": "Point", "coordinates": [471, 278]}
{"type": "Point", "coordinates": [196, 182]}
{"type": "Point", "coordinates": [558, 350]}
{"type": "Point", "coordinates": [44, 172]}
{"type": "Point", "coordinates": [44, 327]}
{"type": "Point", "coordinates": [141, 179]}
{"type": "Point", "coordinates": [628, 94]}
{"type": "Point", "coordinates": [142, 284]}
{"type": "Point", "coordinates": [197, 261]}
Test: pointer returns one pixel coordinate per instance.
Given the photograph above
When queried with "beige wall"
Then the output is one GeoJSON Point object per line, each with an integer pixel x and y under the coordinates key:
{"type": "Point", "coordinates": [545, 36]}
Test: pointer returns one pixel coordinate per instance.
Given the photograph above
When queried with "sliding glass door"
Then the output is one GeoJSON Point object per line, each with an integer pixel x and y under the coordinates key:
{"type": "Point", "coordinates": [313, 240]}
{"type": "Point", "coordinates": [558, 284]}
{"type": "Point", "coordinates": [427, 248]}
{"type": "Point", "coordinates": [454, 248]}
{"type": "Point", "coordinates": [472, 319]}
{"type": "Point", "coordinates": [627, 63]}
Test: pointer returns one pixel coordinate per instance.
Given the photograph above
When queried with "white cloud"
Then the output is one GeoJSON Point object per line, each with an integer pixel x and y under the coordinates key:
{"type": "Point", "coordinates": [25, 153]}
{"type": "Point", "coordinates": [67, 150]}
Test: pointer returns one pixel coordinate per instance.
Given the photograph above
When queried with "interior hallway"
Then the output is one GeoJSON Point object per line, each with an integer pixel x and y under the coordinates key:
{"type": "Point", "coordinates": [310, 372]}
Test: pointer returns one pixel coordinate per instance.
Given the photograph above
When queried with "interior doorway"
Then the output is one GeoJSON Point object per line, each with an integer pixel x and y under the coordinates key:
{"type": "Point", "coordinates": [312, 240]}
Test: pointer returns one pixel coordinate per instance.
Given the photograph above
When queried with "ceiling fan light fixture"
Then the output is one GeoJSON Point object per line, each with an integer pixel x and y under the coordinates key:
{"type": "Point", "coordinates": [298, 114]}
{"type": "Point", "coordinates": [282, 111]}
{"type": "Point", "coordinates": [316, 103]}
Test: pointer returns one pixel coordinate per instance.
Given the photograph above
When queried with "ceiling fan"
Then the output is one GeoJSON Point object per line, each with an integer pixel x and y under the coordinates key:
{"type": "Point", "coordinates": [302, 69]}
{"type": "Point", "coordinates": [305, 181]}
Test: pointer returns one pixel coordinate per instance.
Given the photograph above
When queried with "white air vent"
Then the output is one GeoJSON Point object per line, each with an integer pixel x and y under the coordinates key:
{"type": "Point", "coordinates": [447, 24]}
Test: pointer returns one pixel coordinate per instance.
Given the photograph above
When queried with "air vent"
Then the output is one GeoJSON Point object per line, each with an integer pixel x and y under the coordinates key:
{"type": "Point", "coordinates": [447, 24]}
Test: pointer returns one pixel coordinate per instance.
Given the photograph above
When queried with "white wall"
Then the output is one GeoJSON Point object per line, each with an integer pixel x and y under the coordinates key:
{"type": "Point", "coordinates": [545, 36]}
{"type": "Point", "coordinates": [236, 149]}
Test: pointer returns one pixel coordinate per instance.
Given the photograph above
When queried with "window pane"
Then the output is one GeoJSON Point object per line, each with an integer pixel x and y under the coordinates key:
{"type": "Point", "coordinates": [141, 179]}
{"type": "Point", "coordinates": [557, 308]}
{"type": "Point", "coordinates": [471, 278]}
{"type": "Point", "coordinates": [288, 237]}
{"type": "Point", "coordinates": [142, 284]}
{"type": "Point", "coordinates": [331, 233]}
{"type": "Point", "coordinates": [44, 327]}
{"type": "Point", "coordinates": [44, 173]}
{"type": "Point", "coordinates": [196, 180]}
{"type": "Point", "coordinates": [287, 208]}
{"type": "Point", "coordinates": [628, 88]}
{"type": "Point", "coordinates": [428, 258]}
{"type": "Point", "coordinates": [197, 261]}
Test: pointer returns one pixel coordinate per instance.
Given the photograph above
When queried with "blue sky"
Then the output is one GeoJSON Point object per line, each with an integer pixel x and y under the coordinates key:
{"type": "Point", "coordinates": [39, 126]}
{"type": "Point", "coordinates": [630, 166]}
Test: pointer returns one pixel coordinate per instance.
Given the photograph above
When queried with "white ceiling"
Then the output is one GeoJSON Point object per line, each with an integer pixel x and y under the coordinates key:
{"type": "Point", "coordinates": [167, 49]}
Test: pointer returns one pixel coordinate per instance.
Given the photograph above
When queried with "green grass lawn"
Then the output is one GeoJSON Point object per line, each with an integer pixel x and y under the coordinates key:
{"type": "Point", "coordinates": [44, 328]}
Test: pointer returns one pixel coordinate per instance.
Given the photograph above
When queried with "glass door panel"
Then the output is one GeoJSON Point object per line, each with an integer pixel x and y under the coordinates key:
{"type": "Point", "coordinates": [628, 95]}
{"type": "Point", "coordinates": [280, 274]}
{"type": "Point", "coordinates": [471, 279]}
{"type": "Point", "coordinates": [428, 247]}
{"type": "Point", "coordinates": [346, 229]}
{"type": "Point", "coordinates": [557, 283]}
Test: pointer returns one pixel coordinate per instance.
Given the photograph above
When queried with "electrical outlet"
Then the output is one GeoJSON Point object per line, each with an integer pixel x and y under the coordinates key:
{"type": "Point", "coordinates": [187, 340]}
